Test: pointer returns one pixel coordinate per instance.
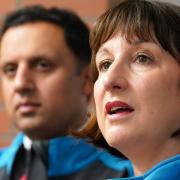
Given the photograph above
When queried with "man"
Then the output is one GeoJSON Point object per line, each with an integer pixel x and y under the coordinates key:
{"type": "Point", "coordinates": [44, 58]}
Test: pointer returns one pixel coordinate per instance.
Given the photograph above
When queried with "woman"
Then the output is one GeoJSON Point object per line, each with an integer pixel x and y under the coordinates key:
{"type": "Point", "coordinates": [136, 74]}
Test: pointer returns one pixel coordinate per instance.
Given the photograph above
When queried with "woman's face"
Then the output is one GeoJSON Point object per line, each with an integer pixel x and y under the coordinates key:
{"type": "Point", "coordinates": [137, 95]}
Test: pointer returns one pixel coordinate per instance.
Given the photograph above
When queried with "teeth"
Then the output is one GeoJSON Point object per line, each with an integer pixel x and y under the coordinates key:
{"type": "Point", "coordinates": [115, 108]}
{"type": "Point", "coordinates": [118, 109]}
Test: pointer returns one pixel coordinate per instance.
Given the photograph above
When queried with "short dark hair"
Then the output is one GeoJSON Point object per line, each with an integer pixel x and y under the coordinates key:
{"type": "Point", "coordinates": [76, 31]}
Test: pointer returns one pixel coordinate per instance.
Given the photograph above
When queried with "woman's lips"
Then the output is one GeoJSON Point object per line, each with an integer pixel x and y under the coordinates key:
{"type": "Point", "coordinates": [118, 109]}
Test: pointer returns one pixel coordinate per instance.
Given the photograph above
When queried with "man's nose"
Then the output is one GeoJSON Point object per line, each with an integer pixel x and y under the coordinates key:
{"type": "Point", "coordinates": [23, 79]}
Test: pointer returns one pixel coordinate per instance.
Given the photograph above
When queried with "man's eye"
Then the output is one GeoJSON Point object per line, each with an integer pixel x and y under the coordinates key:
{"type": "Point", "coordinates": [9, 70]}
{"type": "Point", "coordinates": [43, 65]}
{"type": "Point", "coordinates": [104, 65]}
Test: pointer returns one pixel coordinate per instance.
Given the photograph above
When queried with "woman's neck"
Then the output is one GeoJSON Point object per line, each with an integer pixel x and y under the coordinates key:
{"type": "Point", "coordinates": [148, 158]}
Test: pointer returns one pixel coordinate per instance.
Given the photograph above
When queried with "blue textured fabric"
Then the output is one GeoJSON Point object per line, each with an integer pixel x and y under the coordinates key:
{"type": "Point", "coordinates": [61, 151]}
{"type": "Point", "coordinates": [165, 170]}
{"type": "Point", "coordinates": [7, 155]}
{"type": "Point", "coordinates": [66, 155]}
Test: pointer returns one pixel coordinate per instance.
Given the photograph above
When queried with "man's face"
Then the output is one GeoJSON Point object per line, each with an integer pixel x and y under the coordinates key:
{"type": "Point", "coordinates": [42, 91]}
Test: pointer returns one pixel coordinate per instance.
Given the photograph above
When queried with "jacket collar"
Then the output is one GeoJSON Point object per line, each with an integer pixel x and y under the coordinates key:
{"type": "Point", "coordinates": [68, 154]}
{"type": "Point", "coordinates": [9, 153]}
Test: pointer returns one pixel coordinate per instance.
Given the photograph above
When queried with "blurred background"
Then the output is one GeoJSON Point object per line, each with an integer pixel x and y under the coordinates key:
{"type": "Point", "coordinates": [88, 10]}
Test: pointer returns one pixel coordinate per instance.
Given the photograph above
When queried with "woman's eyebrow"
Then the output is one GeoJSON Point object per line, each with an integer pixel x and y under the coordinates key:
{"type": "Point", "coordinates": [102, 51]}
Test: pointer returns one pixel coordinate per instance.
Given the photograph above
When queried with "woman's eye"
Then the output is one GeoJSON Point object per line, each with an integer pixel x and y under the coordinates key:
{"type": "Point", "coordinates": [104, 65]}
{"type": "Point", "coordinates": [143, 59]}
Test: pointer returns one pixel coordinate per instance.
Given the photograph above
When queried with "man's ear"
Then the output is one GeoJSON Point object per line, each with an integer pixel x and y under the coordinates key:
{"type": "Point", "coordinates": [87, 82]}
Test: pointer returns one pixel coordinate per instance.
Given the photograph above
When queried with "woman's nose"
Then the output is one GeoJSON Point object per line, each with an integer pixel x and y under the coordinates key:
{"type": "Point", "coordinates": [115, 78]}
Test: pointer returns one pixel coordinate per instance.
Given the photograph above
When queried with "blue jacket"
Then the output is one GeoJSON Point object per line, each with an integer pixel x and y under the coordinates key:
{"type": "Point", "coordinates": [165, 170]}
{"type": "Point", "coordinates": [69, 157]}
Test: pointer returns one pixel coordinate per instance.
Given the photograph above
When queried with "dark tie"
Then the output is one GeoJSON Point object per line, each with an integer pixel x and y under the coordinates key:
{"type": "Point", "coordinates": [27, 165]}
{"type": "Point", "coordinates": [31, 164]}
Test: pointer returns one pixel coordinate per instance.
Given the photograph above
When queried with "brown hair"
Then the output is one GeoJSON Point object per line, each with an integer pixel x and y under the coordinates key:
{"type": "Point", "coordinates": [147, 20]}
